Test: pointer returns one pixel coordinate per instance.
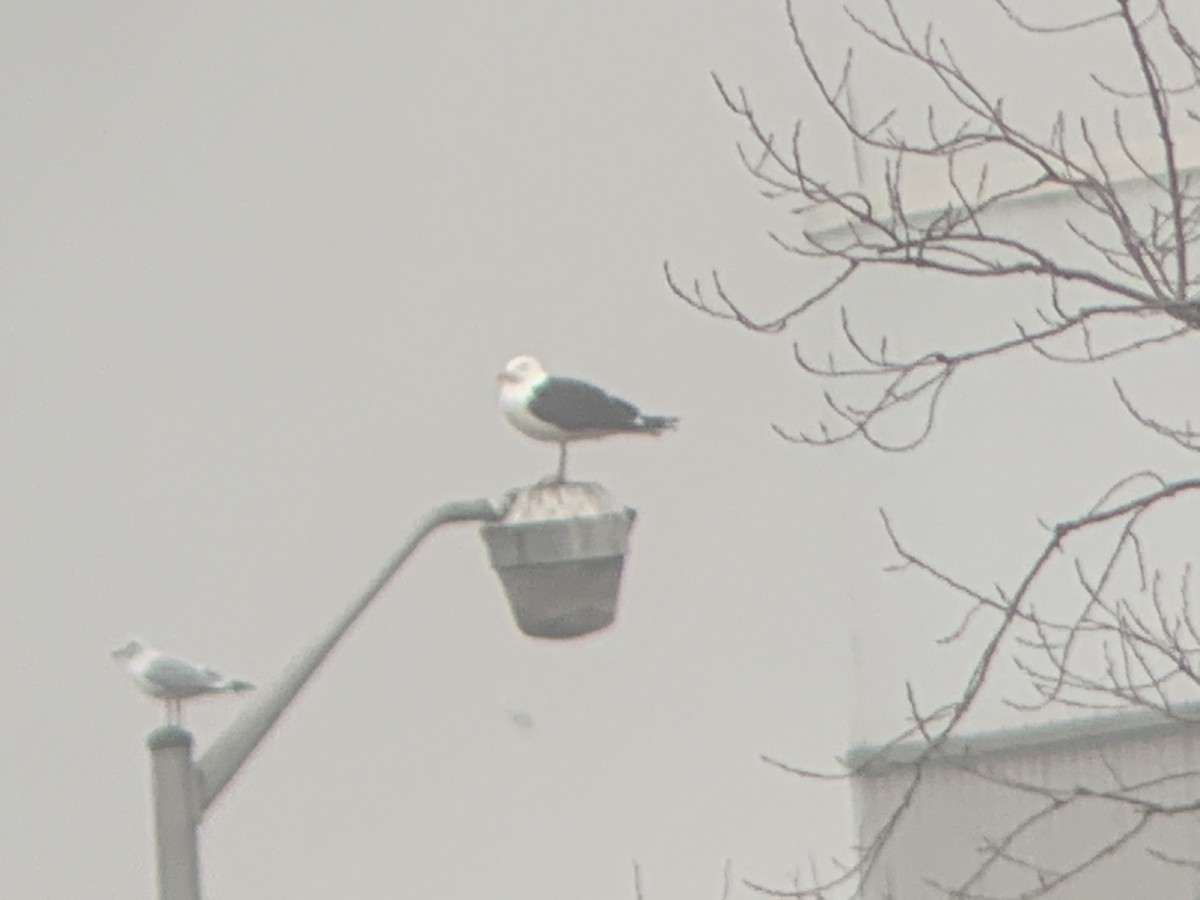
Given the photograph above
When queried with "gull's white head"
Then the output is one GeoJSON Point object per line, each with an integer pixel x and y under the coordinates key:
{"type": "Point", "coordinates": [521, 370]}
{"type": "Point", "coordinates": [129, 651]}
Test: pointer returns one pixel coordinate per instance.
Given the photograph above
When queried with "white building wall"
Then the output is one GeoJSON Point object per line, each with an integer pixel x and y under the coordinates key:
{"type": "Point", "coordinates": [983, 791]}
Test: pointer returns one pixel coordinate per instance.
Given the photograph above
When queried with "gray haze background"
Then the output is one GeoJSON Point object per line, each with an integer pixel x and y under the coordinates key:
{"type": "Point", "coordinates": [259, 266]}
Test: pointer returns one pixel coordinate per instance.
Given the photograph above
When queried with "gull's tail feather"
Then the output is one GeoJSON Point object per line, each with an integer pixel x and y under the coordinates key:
{"type": "Point", "coordinates": [656, 424]}
{"type": "Point", "coordinates": [236, 685]}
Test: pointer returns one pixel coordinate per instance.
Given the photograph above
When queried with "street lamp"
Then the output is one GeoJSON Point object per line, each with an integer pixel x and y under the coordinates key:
{"type": "Point", "coordinates": [559, 550]}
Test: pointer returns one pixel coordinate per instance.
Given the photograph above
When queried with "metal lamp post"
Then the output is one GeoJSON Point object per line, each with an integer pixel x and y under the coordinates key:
{"type": "Point", "coordinates": [558, 550]}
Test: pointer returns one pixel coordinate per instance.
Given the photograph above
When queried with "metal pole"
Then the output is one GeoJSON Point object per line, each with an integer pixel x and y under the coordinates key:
{"type": "Point", "coordinates": [183, 791]}
{"type": "Point", "coordinates": [231, 749]}
{"type": "Point", "coordinates": [175, 813]}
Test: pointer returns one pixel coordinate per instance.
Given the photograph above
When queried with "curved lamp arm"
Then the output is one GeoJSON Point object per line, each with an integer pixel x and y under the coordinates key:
{"type": "Point", "coordinates": [229, 752]}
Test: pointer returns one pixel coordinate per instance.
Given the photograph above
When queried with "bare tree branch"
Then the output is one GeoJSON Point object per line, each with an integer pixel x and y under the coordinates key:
{"type": "Point", "coordinates": [1094, 620]}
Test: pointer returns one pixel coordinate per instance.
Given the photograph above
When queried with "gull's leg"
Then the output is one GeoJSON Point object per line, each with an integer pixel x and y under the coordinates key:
{"type": "Point", "coordinates": [560, 474]}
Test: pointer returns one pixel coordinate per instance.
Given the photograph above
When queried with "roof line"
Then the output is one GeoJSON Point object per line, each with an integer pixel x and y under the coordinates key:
{"type": "Point", "coordinates": [873, 760]}
{"type": "Point", "coordinates": [1047, 194]}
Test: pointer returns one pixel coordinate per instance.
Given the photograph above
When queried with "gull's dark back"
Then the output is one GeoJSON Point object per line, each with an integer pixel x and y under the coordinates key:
{"type": "Point", "coordinates": [576, 405]}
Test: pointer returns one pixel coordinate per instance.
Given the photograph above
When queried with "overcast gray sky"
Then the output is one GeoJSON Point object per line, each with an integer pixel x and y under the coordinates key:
{"type": "Point", "coordinates": [259, 265]}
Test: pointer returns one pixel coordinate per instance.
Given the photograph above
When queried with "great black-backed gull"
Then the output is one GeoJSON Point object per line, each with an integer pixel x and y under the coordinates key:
{"type": "Point", "coordinates": [561, 410]}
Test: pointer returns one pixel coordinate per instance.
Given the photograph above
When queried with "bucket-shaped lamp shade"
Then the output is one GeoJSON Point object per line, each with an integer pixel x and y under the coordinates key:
{"type": "Point", "coordinates": [559, 552]}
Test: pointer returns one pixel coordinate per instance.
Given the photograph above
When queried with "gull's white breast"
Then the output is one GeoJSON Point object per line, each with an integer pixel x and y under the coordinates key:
{"type": "Point", "coordinates": [514, 405]}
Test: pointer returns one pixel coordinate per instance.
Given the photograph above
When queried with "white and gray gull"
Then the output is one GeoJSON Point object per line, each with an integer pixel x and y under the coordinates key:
{"type": "Point", "coordinates": [560, 410]}
{"type": "Point", "coordinates": [173, 680]}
